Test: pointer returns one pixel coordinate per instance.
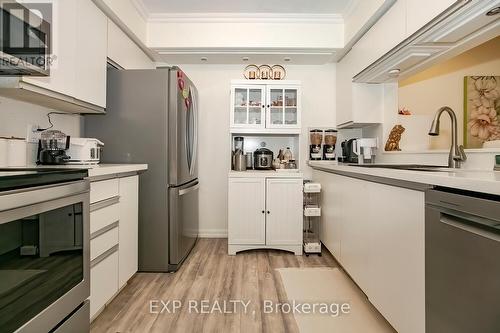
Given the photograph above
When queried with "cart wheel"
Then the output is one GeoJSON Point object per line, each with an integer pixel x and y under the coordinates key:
{"type": "Point", "coordinates": [307, 254]}
{"type": "Point", "coordinates": [319, 254]}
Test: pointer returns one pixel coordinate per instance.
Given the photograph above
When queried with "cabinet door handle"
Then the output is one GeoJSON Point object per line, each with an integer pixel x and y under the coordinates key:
{"type": "Point", "coordinates": [263, 212]}
{"type": "Point", "coordinates": [268, 212]}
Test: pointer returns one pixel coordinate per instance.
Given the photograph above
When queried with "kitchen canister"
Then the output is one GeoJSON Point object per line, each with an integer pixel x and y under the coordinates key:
{"type": "Point", "coordinates": [16, 152]}
{"type": "Point", "coordinates": [3, 152]}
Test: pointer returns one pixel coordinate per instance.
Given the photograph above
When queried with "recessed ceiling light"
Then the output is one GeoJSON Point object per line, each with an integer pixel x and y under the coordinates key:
{"type": "Point", "coordinates": [204, 59]}
{"type": "Point", "coordinates": [287, 59]}
{"type": "Point", "coordinates": [493, 11]}
{"type": "Point", "coordinates": [245, 58]}
{"type": "Point", "coordinates": [394, 72]}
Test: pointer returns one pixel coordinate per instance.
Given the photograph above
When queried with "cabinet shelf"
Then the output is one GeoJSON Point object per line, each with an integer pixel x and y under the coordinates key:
{"type": "Point", "coordinates": [291, 131]}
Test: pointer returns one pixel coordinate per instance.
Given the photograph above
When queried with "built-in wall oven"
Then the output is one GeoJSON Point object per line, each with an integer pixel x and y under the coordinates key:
{"type": "Point", "coordinates": [462, 262]}
{"type": "Point", "coordinates": [44, 258]}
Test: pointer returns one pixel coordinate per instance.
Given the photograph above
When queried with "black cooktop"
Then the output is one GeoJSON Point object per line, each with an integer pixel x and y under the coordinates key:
{"type": "Point", "coordinates": [15, 178]}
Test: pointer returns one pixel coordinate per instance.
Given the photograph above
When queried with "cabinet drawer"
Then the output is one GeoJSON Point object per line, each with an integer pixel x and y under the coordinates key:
{"type": "Point", "coordinates": [104, 242]}
{"type": "Point", "coordinates": [103, 217]}
{"type": "Point", "coordinates": [104, 189]}
{"type": "Point", "coordinates": [104, 282]}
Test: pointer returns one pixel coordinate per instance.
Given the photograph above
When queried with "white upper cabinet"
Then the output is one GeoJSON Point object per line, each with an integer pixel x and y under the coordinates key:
{"type": "Point", "coordinates": [283, 107]}
{"type": "Point", "coordinates": [62, 69]}
{"type": "Point", "coordinates": [77, 79]}
{"type": "Point", "coordinates": [435, 30]}
{"type": "Point", "coordinates": [421, 12]}
{"type": "Point", "coordinates": [124, 52]}
{"type": "Point", "coordinates": [91, 53]}
{"type": "Point", "coordinates": [248, 107]}
{"type": "Point", "coordinates": [265, 106]}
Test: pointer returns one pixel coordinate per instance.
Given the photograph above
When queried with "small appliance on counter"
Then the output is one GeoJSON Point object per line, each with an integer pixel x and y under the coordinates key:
{"type": "Point", "coordinates": [249, 158]}
{"type": "Point", "coordinates": [365, 149]}
{"type": "Point", "coordinates": [348, 155]}
{"type": "Point", "coordinates": [263, 159]}
{"type": "Point", "coordinates": [52, 147]}
{"type": "Point", "coordinates": [329, 145]}
{"type": "Point", "coordinates": [239, 158]}
{"type": "Point", "coordinates": [316, 138]}
{"type": "Point", "coordinates": [85, 151]}
{"type": "Point", "coordinates": [240, 161]}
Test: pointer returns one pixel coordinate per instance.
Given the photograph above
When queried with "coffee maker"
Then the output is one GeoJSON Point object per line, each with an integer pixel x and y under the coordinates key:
{"type": "Point", "coordinates": [365, 149]}
{"type": "Point", "coordinates": [52, 148]}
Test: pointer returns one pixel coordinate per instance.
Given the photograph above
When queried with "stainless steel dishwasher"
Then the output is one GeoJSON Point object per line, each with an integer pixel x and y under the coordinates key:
{"type": "Point", "coordinates": [462, 262]}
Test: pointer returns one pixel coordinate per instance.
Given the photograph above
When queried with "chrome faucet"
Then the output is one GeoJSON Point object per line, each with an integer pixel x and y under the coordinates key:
{"type": "Point", "coordinates": [457, 153]}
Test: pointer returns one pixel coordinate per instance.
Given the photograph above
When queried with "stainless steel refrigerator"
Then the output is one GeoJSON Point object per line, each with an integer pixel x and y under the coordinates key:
{"type": "Point", "coordinates": [152, 117]}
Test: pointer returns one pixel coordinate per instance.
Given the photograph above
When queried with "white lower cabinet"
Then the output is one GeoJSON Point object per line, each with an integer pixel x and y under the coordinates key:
{"type": "Point", "coordinates": [265, 213]}
{"type": "Point", "coordinates": [246, 214]}
{"type": "Point", "coordinates": [103, 282]}
{"type": "Point", "coordinates": [284, 211]}
{"type": "Point", "coordinates": [114, 242]}
{"type": "Point", "coordinates": [129, 215]}
{"type": "Point", "coordinates": [376, 231]}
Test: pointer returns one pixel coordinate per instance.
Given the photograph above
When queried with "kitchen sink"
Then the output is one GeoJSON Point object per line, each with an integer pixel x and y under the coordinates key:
{"type": "Point", "coordinates": [412, 167]}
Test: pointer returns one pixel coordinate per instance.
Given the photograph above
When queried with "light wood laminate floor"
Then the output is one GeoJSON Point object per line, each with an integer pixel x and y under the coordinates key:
{"type": "Point", "coordinates": [209, 274]}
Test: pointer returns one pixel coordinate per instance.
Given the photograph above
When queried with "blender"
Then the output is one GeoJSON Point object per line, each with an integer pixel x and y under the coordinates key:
{"type": "Point", "coordinates": [52, 147]}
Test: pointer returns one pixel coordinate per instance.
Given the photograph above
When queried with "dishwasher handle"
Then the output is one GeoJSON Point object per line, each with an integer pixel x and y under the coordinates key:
{"type": "Point", "coordinates": [473, 224]}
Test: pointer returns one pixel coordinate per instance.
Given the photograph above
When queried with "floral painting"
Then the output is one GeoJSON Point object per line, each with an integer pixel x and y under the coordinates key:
{"type": "Point", "coordinates": [482, 110]}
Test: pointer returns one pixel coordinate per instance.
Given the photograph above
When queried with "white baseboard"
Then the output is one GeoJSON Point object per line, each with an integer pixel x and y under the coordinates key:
{"type": "Point", "coordinates": [212, 233]}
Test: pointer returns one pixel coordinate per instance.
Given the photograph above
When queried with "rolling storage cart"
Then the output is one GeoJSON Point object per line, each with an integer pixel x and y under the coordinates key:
{"type": "Point", "coordinates": [312, 217]}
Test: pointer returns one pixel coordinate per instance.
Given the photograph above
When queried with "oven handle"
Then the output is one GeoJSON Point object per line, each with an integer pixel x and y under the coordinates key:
{"type": "Point", "coordinates": [36, 195]}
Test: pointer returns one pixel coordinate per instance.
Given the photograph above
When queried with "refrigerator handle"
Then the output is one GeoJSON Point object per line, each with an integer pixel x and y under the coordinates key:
{"type": "Point", "coordinates": [194, 104]}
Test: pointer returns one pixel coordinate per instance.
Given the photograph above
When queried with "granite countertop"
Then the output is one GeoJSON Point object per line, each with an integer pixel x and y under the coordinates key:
{"type": "Point", "coordinates": [483, 181]}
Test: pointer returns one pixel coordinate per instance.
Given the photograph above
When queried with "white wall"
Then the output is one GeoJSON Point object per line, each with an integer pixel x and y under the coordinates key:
{"type": "Point", "coordinates": [15, 116]}
{"type": "Point", "coordinates": [213, 83]}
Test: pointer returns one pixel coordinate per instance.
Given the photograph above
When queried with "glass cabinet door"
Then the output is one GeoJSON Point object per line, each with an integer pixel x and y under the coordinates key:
{"type": "Point", "coordinates": [248, 106]}
{"type": "Point", "coordinates": [283, 107]}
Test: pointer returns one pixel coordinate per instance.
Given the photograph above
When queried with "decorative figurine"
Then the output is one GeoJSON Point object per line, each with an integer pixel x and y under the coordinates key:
{"type": "Point", "coordinates": [392, 143]}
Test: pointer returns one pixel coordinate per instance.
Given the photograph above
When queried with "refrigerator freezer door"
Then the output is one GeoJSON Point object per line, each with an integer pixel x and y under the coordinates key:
{"type": "Point", "coordinates": [183, 204]}
{"type": "Point", "coordinates": [183, 129]}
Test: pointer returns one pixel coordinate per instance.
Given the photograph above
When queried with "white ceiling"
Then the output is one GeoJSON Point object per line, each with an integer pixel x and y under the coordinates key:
{"type": "Point", "coordinates": [246, 6]}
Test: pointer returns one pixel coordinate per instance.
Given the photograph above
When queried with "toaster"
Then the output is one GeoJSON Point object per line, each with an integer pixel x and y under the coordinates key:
{"type": "Point", "coordinates": [84, 151]}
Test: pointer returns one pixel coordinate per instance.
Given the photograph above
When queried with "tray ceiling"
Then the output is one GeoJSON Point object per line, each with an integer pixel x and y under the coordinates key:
{"type": "Point", "coordinates": [246, 6]}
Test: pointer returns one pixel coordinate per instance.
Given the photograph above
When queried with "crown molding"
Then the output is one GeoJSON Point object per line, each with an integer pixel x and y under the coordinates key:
{"type": "Point", "coordinates": [350, 8]}
{"type": "Point", "coordinates": [244, 18]}
{"type": "Point", "coordinates": [244, 50]}
{"type": "Point", "coordinates": [141, 9]}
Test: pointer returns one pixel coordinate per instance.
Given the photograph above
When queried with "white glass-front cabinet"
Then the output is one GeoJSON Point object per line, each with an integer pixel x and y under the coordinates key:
{"type": "Point", "coordinates": [248, 106]}
{"type": "Point", "coordinates": [265, 106]}
{"type": "Point", "coordinates": [283, 107]}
